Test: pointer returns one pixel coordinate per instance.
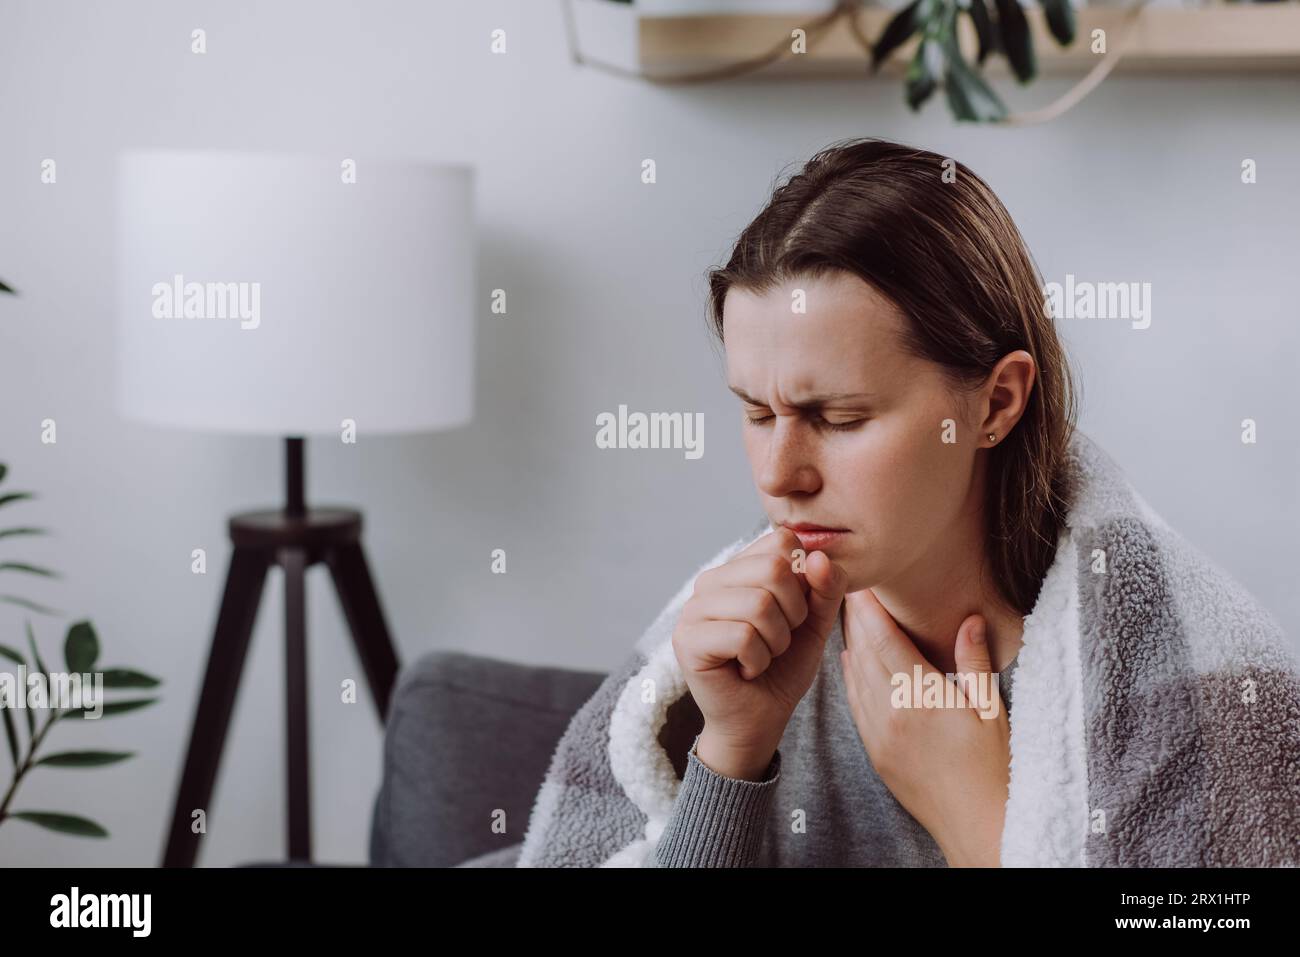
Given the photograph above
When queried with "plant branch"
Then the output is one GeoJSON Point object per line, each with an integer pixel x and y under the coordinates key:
{"type": "Point", "coordinates": [26, 764]}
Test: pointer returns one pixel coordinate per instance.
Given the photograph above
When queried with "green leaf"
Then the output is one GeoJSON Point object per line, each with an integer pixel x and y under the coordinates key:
{"type": "Point", "coordinates": [64, 823]}
{"type": "Point", "coordinates": [40, 666]}
{"type": "Point", "coordinates": [4, 288]}
{"type": "Point", "coordinates": [6, 532]}
{"type": "Point", "coordinates": [4, 469]}
{"type": "Point", "coordinates": [127, 678]}
{"type": "Point", "coordinates": [15, 497]}
{"type": "Point", "coordinates": [29, 605]}
{"type": "Point", "coordinates": [84, 759]}
{"type": "Point", "coordinates": [81, 647]}
{"type": "Point", "coordinates": [1060, 20]}
{"type": "Point", "coordinates": [985, 29]}
{"type": "Point", "coordinates": [958, 102]}
{"type": "Point", "coordinates": [897, 31]}
{"type": "Point", "coordinates": [1017, 42]}
{"type": "Point", "coordinates": [969, 97]}
{"type": "Point", "coordinates": [16, 658]}
{"type": "Point", "coordinates": [920, 81]}
{"type": "Point", "coordinates": [110, 708]}
{"type": "Point", "coordinates": [12, 734]}
{"type": "Point", "coordinates": [24, 567]}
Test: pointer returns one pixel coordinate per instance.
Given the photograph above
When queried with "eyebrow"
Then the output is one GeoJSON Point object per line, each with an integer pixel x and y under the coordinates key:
{"type": "Point", "coordinates": [812, 402]}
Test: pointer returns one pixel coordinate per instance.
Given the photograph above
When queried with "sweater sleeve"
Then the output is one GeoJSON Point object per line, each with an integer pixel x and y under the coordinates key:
{"type": "Point", "coordinates": [716, 821]}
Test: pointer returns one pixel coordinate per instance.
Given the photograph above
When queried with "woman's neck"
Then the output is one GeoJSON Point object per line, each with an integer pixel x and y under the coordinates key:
{"type": "Point", "coordinates": [931, 599]}
{"type": "Point", "coordinates": [934, 631]}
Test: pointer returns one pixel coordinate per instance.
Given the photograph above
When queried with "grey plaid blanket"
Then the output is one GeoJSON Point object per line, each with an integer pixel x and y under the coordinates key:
{"type": "Point", "coordinates": [1157, 717]}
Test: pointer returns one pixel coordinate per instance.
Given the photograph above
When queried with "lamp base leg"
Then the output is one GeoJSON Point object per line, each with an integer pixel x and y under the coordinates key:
{"type": "Point", "coordinates": [295, 542]}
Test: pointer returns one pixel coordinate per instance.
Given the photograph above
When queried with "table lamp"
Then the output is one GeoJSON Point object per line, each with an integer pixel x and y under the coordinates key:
{"type": "Point", "coordinates": [290, 295]}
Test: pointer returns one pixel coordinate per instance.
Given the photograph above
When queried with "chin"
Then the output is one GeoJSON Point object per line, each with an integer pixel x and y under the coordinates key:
{"type": "Point", "coordinates": [864, 573]}
{"type": "Point", "coordinates": [859, 580]}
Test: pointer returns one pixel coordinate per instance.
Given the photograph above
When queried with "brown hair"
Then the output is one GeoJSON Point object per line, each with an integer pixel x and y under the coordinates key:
{"type": "Point", "coordinates": [945, 251]}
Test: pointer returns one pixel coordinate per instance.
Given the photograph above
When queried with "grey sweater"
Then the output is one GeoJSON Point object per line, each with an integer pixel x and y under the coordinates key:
{"type": "Point", "coordinates": [821, 803]}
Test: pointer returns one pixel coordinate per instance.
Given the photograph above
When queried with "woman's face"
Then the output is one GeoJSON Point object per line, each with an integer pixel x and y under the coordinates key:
{"type": "Point", "coordinates": [866, 454]}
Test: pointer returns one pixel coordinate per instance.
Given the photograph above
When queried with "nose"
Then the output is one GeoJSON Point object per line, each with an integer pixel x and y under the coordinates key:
{"type": "Point", "coordinates": [787, 465]}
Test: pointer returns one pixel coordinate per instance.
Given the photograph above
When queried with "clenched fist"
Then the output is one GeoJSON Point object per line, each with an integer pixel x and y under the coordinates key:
{"type": "Point", "coordinates": [749, 642]}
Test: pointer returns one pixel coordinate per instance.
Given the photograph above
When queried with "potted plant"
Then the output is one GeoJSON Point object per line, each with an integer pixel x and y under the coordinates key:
{"type": "Point", "coordinates": [80, 657]}
{"type": "Point", "coordinates": [1001, 28]}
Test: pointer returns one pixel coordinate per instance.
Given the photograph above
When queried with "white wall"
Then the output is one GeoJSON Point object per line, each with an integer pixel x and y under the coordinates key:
{"type": "Point", "coordinates": [606, 297]}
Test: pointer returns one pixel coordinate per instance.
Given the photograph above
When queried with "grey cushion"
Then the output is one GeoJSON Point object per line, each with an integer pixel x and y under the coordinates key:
{"type": "Point", "coordinates": [467, 737]}
{"type": "Point", "coordinates": [504, 857]}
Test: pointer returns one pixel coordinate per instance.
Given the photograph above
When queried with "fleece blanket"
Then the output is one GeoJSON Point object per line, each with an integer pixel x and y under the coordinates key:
{"type": "Point", "coordinates": [1156, 719]}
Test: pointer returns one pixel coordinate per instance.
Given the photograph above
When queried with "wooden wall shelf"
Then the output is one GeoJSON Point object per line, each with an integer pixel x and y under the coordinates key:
{"type": "Point", "coordinates": [1214, 37]}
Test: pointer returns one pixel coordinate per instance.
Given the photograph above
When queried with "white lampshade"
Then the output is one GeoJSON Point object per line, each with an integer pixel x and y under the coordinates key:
{"type": "Point", "coordinates": [318, 300]}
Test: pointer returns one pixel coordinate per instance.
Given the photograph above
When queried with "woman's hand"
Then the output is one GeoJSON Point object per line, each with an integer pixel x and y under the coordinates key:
{"type": "Point", "coordinates": [750, 642]}
{"type": "Point", "coordinates": [949, 767]}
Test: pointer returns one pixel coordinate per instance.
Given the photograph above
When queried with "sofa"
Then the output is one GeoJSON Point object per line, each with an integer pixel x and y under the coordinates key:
{"type": "Point", "coordinates": [467, 743]}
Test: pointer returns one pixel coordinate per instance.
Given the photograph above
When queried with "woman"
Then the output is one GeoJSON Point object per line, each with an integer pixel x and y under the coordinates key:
{"type": "Point", "coordinates": [930, 510]}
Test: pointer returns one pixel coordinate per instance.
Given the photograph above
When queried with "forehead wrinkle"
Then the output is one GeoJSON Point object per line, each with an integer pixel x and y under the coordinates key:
{"type": "Point", "coordinates": [812, 402]}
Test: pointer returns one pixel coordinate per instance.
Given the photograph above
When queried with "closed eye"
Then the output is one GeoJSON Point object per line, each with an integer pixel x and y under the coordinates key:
{"type": "Point", "coordinates": [818, 422]}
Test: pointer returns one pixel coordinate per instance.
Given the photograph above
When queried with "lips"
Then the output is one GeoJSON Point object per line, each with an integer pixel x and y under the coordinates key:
{"type": "Point", "coordinates": [817, 537]}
